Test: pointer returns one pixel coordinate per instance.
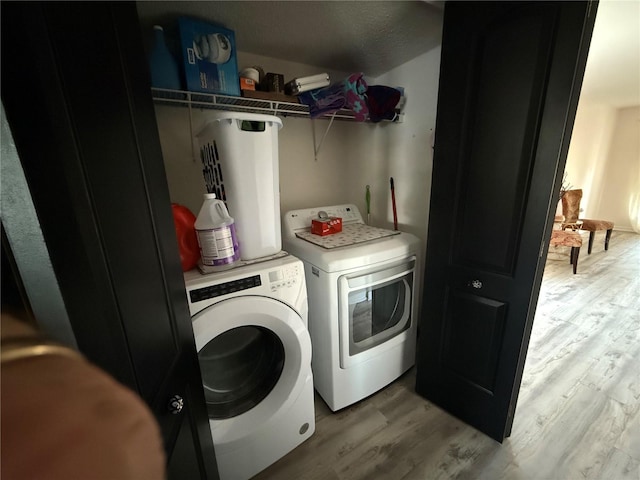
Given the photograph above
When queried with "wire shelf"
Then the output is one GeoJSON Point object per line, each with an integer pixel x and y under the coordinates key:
{"type": "Point", "coordinates": [183, 98]}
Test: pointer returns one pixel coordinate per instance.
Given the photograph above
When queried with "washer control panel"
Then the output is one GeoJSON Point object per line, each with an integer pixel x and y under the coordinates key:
{"type": "Point", "coordinates": [284, 277]}
{"type": "Point", "coordinates": [225, 288]}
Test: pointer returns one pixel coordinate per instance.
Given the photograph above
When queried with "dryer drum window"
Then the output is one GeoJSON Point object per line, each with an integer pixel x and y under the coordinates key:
{"type": "Point", "coordinates": [239, 369]}
{"type": "Point", "coordinates": [379, 313]}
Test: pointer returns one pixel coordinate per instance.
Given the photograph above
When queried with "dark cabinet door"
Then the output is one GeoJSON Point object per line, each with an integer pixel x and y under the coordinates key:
{"type": "Point", "coordinates": [509, 83]}
{"type": "Point", "coordinates": [76, 92]}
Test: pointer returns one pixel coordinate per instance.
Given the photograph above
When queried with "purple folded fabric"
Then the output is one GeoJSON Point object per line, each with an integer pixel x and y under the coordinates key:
{"type": "Point", "coordinates": [324, 100]}
{"type": "Point", "coordinates": [350, 93]}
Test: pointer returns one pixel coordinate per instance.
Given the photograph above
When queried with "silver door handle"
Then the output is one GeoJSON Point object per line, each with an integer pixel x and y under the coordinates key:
{"type": "Point", "coordinates": [176, 404]}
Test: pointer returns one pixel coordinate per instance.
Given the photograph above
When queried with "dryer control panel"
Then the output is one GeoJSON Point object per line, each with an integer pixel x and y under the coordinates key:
{"type": "Point", "coordinates": [297, 220]}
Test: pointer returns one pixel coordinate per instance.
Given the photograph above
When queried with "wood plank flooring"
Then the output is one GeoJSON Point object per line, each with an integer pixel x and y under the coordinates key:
{"type": "Point", "coordinates": [578, 415]}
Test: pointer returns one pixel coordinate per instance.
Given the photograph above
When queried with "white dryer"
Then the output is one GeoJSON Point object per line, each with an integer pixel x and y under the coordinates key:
{"type": "Point", "coordinates": [363, 286]}
{"type": "Point", "coordinates": [250, 327]}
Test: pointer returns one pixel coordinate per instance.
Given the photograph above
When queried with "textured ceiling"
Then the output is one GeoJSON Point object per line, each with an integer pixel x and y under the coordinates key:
{"type": "Point", "coordinates": [367, 36]}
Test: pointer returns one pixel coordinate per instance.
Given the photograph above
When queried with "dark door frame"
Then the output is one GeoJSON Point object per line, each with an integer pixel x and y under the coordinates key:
{"type": "Point", "coordinates": [76, 94]}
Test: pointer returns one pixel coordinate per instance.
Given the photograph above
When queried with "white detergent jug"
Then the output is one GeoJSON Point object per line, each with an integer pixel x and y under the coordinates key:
{"type": "Point", "coordinates": [216, 234]}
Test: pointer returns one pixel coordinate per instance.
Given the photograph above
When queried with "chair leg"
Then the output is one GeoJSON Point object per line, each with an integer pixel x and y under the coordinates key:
{"type": "Point", "coordinates": [575, 252]}
{"type": "Point", "coordinates": [591, 235]}
{"type": "Point", "coordinates": [607, 238]}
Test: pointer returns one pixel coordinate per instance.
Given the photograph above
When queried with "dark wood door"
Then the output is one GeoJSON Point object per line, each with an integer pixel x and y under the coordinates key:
{"type": "Point", "coordinates": [76, 92]}
{"type": "Point", "coordinates": [510, 78]}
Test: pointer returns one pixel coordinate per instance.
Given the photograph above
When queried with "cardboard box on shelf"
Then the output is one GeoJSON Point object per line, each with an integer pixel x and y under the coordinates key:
{"type": "Point", "coordinates": [209, 57]}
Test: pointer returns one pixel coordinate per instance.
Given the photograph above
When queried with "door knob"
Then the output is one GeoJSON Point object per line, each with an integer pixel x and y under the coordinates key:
{"type": "Point", "coordinates": [176, 404]}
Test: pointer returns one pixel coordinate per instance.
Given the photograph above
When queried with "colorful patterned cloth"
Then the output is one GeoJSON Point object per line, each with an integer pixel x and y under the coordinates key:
{"type": "Point", "coordinates": [355, 88]}
{"type": "Point", "coordinates": [346, 94]}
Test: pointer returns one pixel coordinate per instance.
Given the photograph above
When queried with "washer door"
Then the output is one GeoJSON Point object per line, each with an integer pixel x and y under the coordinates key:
{"type": "Point", "coordinates": [255, 356]}
{"type": "Point", "coordinates": [239, 368]}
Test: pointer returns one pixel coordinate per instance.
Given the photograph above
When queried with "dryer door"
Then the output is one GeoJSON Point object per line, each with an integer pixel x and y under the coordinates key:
{"type": "Point", "coordinates": [375, 307]}
{"type": "Point", "coordinates": [255, 356]}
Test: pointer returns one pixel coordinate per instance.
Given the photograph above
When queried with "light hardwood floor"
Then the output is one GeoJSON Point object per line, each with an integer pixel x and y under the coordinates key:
{"type": "Point", "coordinates": [578, 414]}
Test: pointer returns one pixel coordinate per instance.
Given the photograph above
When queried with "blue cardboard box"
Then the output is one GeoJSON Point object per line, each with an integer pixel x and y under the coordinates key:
{"type": "Point", "coordinates": [209, 57]}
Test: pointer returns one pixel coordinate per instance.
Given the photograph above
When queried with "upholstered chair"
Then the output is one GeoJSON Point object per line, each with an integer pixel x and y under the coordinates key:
{"type": "Point", "coordinates": [571, 212]}
{"type": "Point", "coordinates": [592, 226]}
{"type": "Point", "coordinates": [560, 238]}
{"type": "Point", "coordinates": [571, 205]}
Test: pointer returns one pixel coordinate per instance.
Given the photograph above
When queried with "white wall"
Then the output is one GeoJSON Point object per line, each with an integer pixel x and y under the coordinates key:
{"type": "Point", "coordinates": [620, 200]}
{"type": "Point", "coordinates": [604, 161]}
{"type": "Point", "coordinates": [352, 154]}
{"type": "Point", "coordinates": [405, 151]}
{"type": "Point", "coordinates": [590, 140]}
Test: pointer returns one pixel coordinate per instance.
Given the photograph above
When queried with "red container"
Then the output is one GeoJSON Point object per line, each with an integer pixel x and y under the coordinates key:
{"type": "Point", "coordinates": [326, 226]}
{"type": "Point", "coordinates": [184, 221]}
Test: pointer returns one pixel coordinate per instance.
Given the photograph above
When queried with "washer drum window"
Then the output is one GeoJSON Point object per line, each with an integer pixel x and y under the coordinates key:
{"type": "Point", "coordinates": [239, 368]}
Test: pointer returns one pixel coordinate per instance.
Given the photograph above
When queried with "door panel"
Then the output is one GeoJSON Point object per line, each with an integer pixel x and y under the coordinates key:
{"type": "Point", "coordinates": [509, 84]}
{"type": "Point", "coordinates": [473, 334]}
{"type": "Point", "coordinates": [509, 67]}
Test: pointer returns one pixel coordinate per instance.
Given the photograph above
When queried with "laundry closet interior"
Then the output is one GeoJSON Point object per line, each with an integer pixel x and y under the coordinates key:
{"type": "Point", "coordinates": [340, 164]}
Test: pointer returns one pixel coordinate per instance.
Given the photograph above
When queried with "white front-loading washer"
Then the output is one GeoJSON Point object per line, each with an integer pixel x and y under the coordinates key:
{"type": "Point", "coordinates": [254, 350]}
{"type": "Point", "coordinates": [363, 286]}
